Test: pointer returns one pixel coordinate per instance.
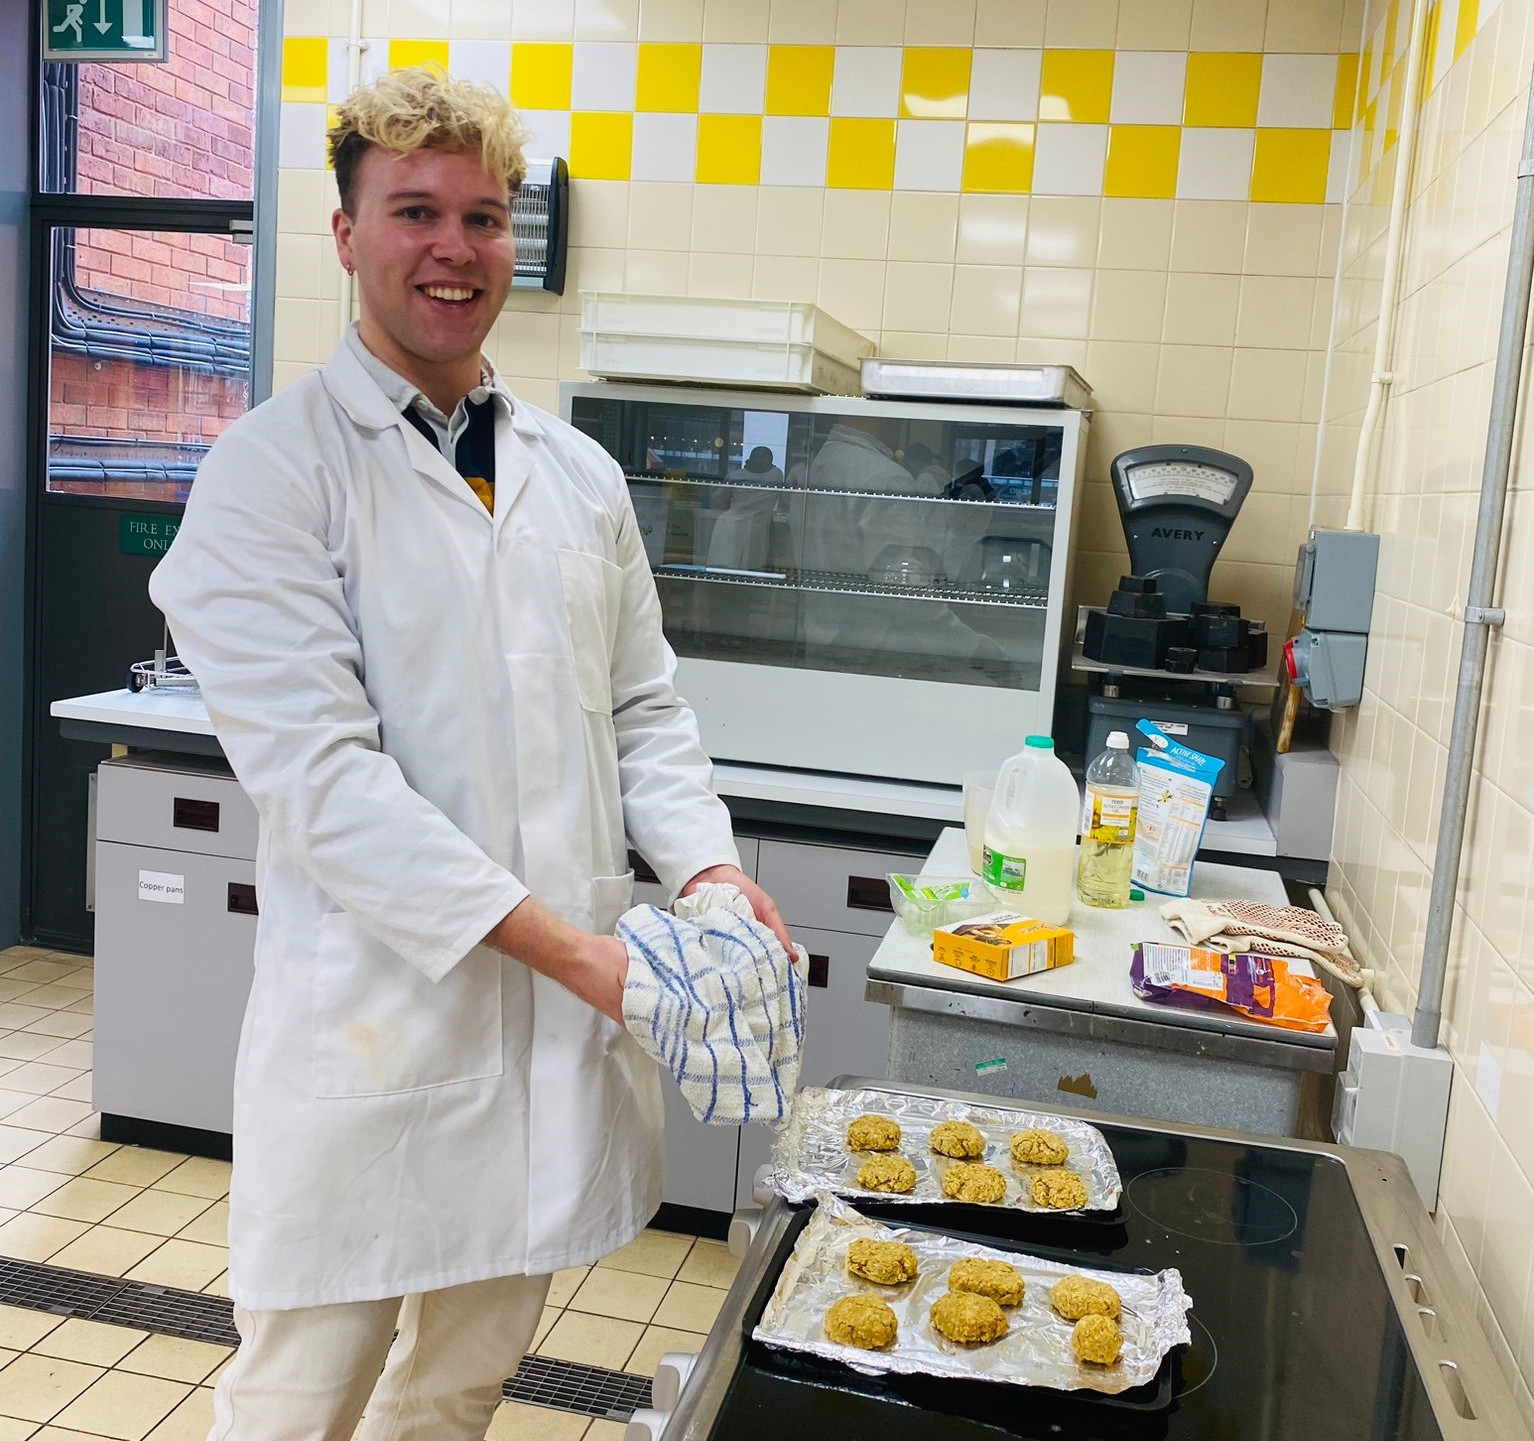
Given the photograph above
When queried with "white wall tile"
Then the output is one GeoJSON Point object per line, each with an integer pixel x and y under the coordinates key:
{"type": "Point", "coordinates": [550, 132]}
{"type": "Point", "coordinates": [1148, 87]}
{"type": "Point", "coordinates": [929, 154]}
{"type": "Point", "coordinates": [794, 150]}
{"type": "Point", "coordinates": [373, 62]}
{"type": "Point", "coordinates": [1068, 159]}
{"type": "Point", "coordinates": [665, 147]}
{"type": "Point", "coordinates": [335, 70]}
{"type": "Point", "coordinates": [1297, 90]}
{"type": "Point", "coordinates": [603, 75]}
{"type": "Point", "coordinates": [1215, 164]}
{"type": "Point", "coordinates": [734, 80]}
{"type": "Point", "coordinates": [866, 81]}
{"type": "Point", "coordinates": [301, 137]}
{"type": "Point", "coordinates": [1004, 85]}
{"type": "Point", "coordinates": [485, 62]}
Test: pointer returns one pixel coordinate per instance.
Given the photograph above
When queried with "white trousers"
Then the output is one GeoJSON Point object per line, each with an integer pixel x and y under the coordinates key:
{"type": "Point", "coordinates": [308, 1374]}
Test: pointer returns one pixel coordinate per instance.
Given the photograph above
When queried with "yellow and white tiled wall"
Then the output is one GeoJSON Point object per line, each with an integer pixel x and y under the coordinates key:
{"type": "Point", "coordinates": [1013, 120]}
{"type": "Point", "coordinates": [1422, 500]}
{"type": "Point", "coordinates": [1144, 189]}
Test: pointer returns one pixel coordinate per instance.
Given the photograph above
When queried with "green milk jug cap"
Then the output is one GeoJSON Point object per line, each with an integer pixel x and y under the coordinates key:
{"type": "Point", "coordinates": [1040, 743]}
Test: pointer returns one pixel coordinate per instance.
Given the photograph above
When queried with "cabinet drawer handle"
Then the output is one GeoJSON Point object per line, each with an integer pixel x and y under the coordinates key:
{"type": "Point", "coordinates": [242, 899]}
{"type": "Point", "coordinates": [820, 967]}
{"type": "Point", "coordinates": [868, 893]}
{"type": "Point", "coordinates": [643, 871]}
{"type": "Point", "coordinates": [190, 815]}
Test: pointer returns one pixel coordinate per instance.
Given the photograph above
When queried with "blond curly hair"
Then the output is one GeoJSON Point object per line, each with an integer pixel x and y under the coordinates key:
{"type": "Point", "coordinates": [421, 107]}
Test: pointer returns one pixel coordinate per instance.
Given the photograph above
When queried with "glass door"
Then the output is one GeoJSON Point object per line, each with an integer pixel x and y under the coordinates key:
{"type": "Point", "coordinates": [141, 355]}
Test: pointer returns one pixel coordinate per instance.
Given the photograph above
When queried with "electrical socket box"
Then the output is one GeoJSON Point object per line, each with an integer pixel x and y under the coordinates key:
{"type": "Point", "coordinates": [1329, 666]}
{"type": "Point", "coordinates": [1334, 580]}
{"type": "Point", "coordinates": [1394, 1096]}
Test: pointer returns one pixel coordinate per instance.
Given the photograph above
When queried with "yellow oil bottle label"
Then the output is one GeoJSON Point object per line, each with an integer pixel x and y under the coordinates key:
{"type": "Point", "coordinates": [1110, 819]}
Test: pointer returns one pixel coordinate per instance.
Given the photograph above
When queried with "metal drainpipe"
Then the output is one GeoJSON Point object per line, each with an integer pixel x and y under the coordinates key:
{"type": "Point", "coordinates": [1480, 615]}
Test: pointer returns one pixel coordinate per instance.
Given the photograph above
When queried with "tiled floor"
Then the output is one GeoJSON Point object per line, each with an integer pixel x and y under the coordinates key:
{"type": "Point", "coordinates": [69, 1199]}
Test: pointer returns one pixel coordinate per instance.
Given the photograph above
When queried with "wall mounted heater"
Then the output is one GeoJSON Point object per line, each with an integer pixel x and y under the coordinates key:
{"type": "Point", "coordinates": [540, 222]}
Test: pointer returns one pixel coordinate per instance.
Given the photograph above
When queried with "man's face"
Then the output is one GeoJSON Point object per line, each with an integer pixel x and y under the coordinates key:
{"type": "Point", "coordinates": [430, 240]}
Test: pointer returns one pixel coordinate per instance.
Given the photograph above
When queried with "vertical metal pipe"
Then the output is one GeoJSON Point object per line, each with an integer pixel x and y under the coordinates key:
{"type": "Point", "coordinates": [1479, 615]}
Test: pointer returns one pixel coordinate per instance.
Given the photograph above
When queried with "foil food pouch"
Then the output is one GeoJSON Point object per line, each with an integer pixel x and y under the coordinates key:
{"type": "Point", "coordinates": [1176, 786]}
{"type": "Point", "coordinates": [1261, 988]}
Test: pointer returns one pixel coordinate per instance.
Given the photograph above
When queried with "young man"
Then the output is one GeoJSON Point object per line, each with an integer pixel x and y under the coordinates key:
{"type": "Point", "coordinates": [424, 625]}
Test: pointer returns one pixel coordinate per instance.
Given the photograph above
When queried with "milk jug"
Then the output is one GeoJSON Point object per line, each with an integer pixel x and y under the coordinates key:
{"type": "Point", "coordinates": [1030, 833]}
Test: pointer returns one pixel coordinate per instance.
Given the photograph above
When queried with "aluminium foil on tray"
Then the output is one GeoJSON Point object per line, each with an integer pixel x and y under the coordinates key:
{"type": "Point", "coordinates": [811, 1153]}
{"type": "Point", "coordinates": [1036, 1351]}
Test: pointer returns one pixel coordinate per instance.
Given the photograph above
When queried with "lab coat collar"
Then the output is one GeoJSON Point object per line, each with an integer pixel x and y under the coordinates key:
{"type": "Point", "coordinates": [359, 394]}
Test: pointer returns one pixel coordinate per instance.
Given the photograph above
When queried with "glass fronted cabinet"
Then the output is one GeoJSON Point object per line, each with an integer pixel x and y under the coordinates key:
{"type": "Point", "coordinates": [870, 587]}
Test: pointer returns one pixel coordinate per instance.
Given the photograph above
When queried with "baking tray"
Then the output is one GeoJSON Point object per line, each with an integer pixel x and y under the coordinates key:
{"type": "Point", "coordinates": [954, 1394]}
{"type": "Point", "coordinates": [810, 1155]}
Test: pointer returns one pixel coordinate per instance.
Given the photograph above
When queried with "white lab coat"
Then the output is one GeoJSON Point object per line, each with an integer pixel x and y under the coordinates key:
{"type": "Point", "coordinates": [436, 712]}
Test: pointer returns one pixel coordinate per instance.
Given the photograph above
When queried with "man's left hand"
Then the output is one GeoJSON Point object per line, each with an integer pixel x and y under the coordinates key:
{"type": "Point", "coordinates": [762, 905]}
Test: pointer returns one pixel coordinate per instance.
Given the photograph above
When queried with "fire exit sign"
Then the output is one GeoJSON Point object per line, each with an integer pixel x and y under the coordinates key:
{"type": "Point", "coordinates": [104, 30]}
{"type": "Point", "coordinates": [147, 534]}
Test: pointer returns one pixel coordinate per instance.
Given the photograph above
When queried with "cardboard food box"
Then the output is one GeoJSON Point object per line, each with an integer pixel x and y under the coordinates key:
{"type": "Point", "coordinates": [1003, 945]}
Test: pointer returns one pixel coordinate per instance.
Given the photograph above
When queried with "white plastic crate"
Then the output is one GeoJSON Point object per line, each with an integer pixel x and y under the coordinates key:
{"type": "Point", "coordinates": [781, 344]}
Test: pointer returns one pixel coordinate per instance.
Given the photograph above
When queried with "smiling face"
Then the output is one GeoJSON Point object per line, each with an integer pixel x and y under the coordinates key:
{"type": "Point", "coordinates": [429, 237]}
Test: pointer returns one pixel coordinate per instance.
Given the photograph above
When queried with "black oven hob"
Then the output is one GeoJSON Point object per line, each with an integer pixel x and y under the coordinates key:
{"type": "Point", "coordinates": [1295, 1337]}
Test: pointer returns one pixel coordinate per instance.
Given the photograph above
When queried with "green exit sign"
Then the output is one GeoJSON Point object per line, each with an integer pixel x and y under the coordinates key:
{"type": "Point", "coordinates": [147, 534]}
{"type": "Point", "coordinates": [104, 30]}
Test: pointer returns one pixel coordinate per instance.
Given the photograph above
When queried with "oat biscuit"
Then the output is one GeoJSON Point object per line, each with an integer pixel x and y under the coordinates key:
{"type": "Point", "coordinates": [889, 1263]}
{"type": "Point", "coordinates": [862, 1321]}
{"type": "Point", "coordinates": [887, 1173]}
{"type": "Point", "coordinates": [997, 1279]}
{"type": "Point", "coordinates": [969, 1181]}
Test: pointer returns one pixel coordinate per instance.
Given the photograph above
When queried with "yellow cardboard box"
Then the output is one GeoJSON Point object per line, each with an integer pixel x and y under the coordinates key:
{"type": "Point", "coordinates": [1003, 946]}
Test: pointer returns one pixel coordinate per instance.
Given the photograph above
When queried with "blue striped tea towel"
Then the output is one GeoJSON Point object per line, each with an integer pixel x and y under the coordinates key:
{"type": "Point", "coordinates": [714, 998]}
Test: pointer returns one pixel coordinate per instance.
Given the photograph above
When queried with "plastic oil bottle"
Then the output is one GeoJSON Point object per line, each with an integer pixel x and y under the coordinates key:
{"type": "Point", "coordinates": [1108, 815]}
{"type": "Point", "coordinates": [1030, 833]}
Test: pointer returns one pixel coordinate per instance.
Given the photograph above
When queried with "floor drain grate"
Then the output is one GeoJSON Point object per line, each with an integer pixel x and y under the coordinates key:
{"type": "Point", "coordinates": [572, 1386]}
{"type": "Point", "coordinates": [540, 1380]}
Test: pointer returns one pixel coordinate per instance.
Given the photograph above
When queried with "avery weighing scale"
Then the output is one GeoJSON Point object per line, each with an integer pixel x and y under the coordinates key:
{"type": "Point", "coordinates": [1177, 504]}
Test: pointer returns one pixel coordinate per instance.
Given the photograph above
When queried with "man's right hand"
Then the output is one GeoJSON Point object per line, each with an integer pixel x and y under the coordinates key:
{"type": "Point", "coordinates": [592, 967]}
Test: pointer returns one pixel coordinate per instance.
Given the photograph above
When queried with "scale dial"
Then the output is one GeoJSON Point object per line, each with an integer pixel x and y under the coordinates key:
{"type": "Point", "coordinates": [1152, 479]}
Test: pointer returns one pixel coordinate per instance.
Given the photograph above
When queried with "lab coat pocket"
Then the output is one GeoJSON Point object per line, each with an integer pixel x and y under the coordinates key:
{"type": "Point", "coordinates": [591, 587]}
{"type": "Point", "coordinates": [611, 896]}
{"type": "Point", "coordinates": [381, 1028]}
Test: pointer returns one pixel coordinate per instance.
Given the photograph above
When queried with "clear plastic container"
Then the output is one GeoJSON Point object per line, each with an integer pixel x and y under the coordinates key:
{"type": "Point", "coordinates": [924, 903]}
{"type": "Point", "coordinates": [790, 345]}
{"type": "Point", "coordinates": [1030, 834]}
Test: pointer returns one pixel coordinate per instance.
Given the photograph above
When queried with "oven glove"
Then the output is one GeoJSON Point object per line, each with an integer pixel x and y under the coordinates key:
{"type": "Point", "coordinates": [1287, 931]}
{"type": "Point", "coordinates": [716, 1000]}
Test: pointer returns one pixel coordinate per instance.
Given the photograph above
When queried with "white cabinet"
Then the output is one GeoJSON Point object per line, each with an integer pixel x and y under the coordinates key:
{"type": "Point", "coordinates": [175, 933]}
{"type": "Point", "coordinates": [844, 1034]}
{"type": "Point", "coordinates": [836, 902]}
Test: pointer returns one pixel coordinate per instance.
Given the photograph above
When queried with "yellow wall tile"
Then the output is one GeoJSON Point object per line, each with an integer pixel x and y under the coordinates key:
{"type": "Point", "coordinates": [601, 145]}
{"type": "Point", "coordinates": [1347, 90]}
{"type": "Point", "coordinates": [305, 64]}
{"type": "Point", "coordinates": [540, 75]}
{"type": "Point", "coordinates": [1464, 30]}
{"type": "Point", "coordinates": [934, 83]}
{"type": "Point", "coordinates": [861, 154]}
{"type": "Point", "coordinates": [668, 77]}
{"type": "Point", "coordinates": [799, 79]}
{"type": "Point", "coordinates": [1222, 89]}
{"type": "Point", "coordinates": [729, 149]}
{"type": "Point", "coordinates": [998, 157]}
{"type": "Point", "coordinates": [1077, 85]}
{"type": "Point", "coordinates": [1142, 161]}
{"type": "Point", "coordinates": [405, 53]}
{"type": "Point", "coordinates": [1290, 165]}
